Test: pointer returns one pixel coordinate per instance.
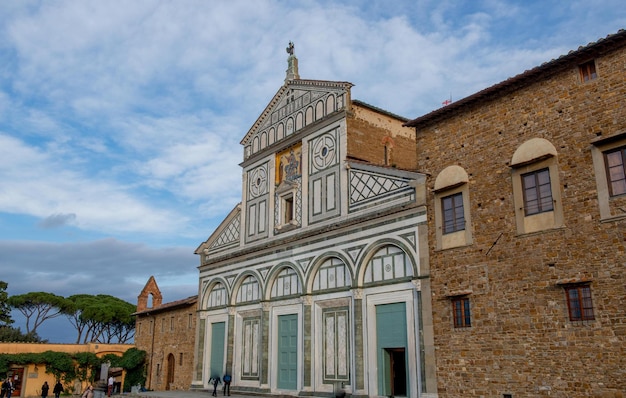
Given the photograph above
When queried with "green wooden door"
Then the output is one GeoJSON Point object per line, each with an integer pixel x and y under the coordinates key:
{"type": "Point", "coordinates": [391, 347]}
{"type": "Point", "coordinates": [288, 352]}
{"type": "Point", "coordinates": [217, 349]}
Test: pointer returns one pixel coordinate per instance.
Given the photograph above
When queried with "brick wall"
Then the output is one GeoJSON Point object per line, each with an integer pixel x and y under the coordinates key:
{"type": "Point", "coordinates": [368, 134]}
{"type": "Point", "coordinates": [173, 335]}
{"type": "Point", "coordinates": [521, 341]}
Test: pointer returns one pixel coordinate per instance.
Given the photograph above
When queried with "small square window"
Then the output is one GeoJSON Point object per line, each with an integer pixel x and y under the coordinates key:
{"type": "Point", "coordinates": [461, 312]}
{"type": "Point", "coordinates": [579, 303]}
{"type": "Point", "coordinates": [537, 192]}
{"type": "Point", "coordinates": [453, 214]}
{"type": "Point", "coordinates": [615, 161]}
{"type": "Point", "coordinates": [588, 71]}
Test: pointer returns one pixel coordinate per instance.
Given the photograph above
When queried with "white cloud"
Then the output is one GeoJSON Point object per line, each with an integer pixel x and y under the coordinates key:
{"type": "Point", "coordinates": [124, 119]}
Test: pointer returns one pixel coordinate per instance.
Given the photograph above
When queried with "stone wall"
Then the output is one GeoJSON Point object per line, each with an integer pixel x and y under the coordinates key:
{"type": "Point", "coordinates": [168, 336]}
{"type": "Point", "coordinates": [369, 132]}
{"type": "Point", "coordinates": [521, 340]}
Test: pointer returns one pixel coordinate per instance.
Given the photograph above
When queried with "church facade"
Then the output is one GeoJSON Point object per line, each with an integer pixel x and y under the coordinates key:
{"type": "Point", "coordinates": [319, 279]}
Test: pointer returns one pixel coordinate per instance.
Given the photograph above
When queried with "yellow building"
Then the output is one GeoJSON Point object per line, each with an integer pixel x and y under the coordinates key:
{"type": "Point", "coordinates": [28, 379]}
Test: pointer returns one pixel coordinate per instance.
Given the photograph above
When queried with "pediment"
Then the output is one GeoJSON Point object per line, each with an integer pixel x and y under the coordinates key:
{"type": "Point", "coordinates": [297, 104]}
{"type": "Point", "coordinates": [226, 235]}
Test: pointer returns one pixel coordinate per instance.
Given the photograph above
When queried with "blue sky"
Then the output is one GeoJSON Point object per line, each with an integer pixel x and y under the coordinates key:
{"type": "Point", "coordinates": [120, 121]}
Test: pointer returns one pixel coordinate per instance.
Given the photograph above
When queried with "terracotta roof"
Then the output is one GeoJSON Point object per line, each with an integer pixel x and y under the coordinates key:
{"type": "Point", "coordinates": [192, 300]}
{"type": "Point", "coordinates": [582, 54]}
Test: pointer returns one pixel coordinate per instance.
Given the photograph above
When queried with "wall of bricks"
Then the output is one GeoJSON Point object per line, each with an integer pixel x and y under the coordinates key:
{"type": "Point", "coordinates": [167, 333]}
{"type": "Point", "coordinates": [368, 134]}
{"type": "Point", "coordinates": [521, 341]}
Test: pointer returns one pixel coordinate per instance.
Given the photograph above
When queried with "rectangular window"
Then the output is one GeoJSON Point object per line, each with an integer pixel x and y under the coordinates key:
{"type": "Point", "coordinates": [588, 71]}
{"type": "Point", "coordinates": [461, 311]}
{"type": "Point", "coordinates": [180, 359]}
{"type": "Point", "coordinates": [615, 170]}
{"type": "Point", "coordinates": [190, 321]}
{"type": "Point", "coordinates": [537, 192]}
{"type": "Point", "coordinates": [453, 213]}
{"type": "Point", "coordinates": [579, 303]}
{"type": "Point", "coordinates": [162, 325]}
{"type": "Point", "coordinates": [171, 324]}
{"type": "Point", "coordinates": [287, 209]}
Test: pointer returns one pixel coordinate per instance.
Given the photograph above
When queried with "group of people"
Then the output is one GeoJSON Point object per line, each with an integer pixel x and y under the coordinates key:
{"type": "Point", "coordinates": [57, 390]}
{"type": "Point", "coordinates": [7, 388]}
{"type": "Point", "coordinates": [215, 380]}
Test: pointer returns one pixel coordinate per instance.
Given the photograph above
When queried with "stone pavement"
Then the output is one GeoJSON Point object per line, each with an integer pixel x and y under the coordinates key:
{"type": "Point", "coordinates": [191, 394]}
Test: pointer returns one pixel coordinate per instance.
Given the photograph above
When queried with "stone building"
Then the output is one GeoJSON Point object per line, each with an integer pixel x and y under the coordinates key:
{"type": "Point", "coordinates": [318, 279]}
{"type": "Point", "coordinates": [166, 332]}
{"type": "Point", "coordinates": [527, 228]}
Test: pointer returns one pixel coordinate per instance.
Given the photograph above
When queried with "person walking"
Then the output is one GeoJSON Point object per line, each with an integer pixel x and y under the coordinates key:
{"type": "Point", "coordinates": [44, 389]}
{"type": "Point", "coordinates": [215, 380]}
{"type": "Point", "coordinates": [58, 389]}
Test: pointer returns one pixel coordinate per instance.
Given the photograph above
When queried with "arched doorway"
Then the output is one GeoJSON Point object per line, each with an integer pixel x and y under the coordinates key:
{"type": "Point", "coordinates": [171, 363]}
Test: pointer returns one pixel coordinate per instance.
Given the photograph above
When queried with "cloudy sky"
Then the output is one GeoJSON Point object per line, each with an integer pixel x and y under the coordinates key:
{"type": "Point", "coordinates": [120, 121]}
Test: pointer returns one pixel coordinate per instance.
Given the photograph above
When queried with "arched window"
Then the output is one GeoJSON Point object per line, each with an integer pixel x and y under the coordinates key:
{"type": "Point", "coordinates": [217, 296]}
{"type": "Point", "coordinates": [287, 283]}
{"type": "Point", "coordinates": [452, 208]}
{"type": "Point", "coordinates": [536, 193]}
{"type": "Point", "coordinates": [332, 274]}
{"type": "Point", "coordinates": [388, 263]}
{"type": "Point", "coordinates": [249, 290]}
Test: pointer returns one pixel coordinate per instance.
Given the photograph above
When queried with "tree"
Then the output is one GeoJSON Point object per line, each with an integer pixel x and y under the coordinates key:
{"type": "Point", "coordinates": [37, 307]}
{"type": "Point", "coordinates": [102, 318]}
{"type": "Point", "coordinates": [13, 335]}
{"type": "Point", "coordinates": [5, 308]}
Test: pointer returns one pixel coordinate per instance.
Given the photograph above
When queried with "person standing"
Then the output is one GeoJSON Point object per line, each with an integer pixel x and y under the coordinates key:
{"type": "Point", "coordinates": [226, 379]}
{"type": "Point", "coordinates": [5, 387]}
{"type": "Point", "coordinates": [44, 389]}
{"type": "Point", "coordinates": [58, 389]}
{"type": "Point", "coordinates": [110, 386]}
{"type": "Point", "coordinates": [10, 387]}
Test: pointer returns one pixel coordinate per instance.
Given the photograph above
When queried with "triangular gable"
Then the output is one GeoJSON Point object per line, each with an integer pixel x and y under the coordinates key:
{"type": "Point", "coordinates": [150, 289]}
{"type": "Point", "coordinates": [226, 235]}
{"type": "Point", "coordinates": [293, 96]}
{"type": "Point", "coordinates": [374, 185]}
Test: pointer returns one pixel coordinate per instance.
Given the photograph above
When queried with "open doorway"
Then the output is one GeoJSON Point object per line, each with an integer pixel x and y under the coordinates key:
{"type": "Point", "coordinates": [396, 360]}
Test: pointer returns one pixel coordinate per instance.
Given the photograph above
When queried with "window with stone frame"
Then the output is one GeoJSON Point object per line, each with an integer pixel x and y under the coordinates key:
{"type": "Point", "coordinates": [579, 302]}
{"type": "Point", "coordinates": [453, 219]}
{"type": "Point", "coordinates": [287, 208]}
{"type": "Point", "coordinates": [536, 187]}
{"type": "Point", "coordinates": [453, 213]}
{"type": "Point", "coordinates": [615, 163]}
{"type": "Point", "coordinates": [537, 192]}
{"type": "Point", "coordinates": [461, 312]}
{"type": "Point", "coordinates": [609, 166]}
